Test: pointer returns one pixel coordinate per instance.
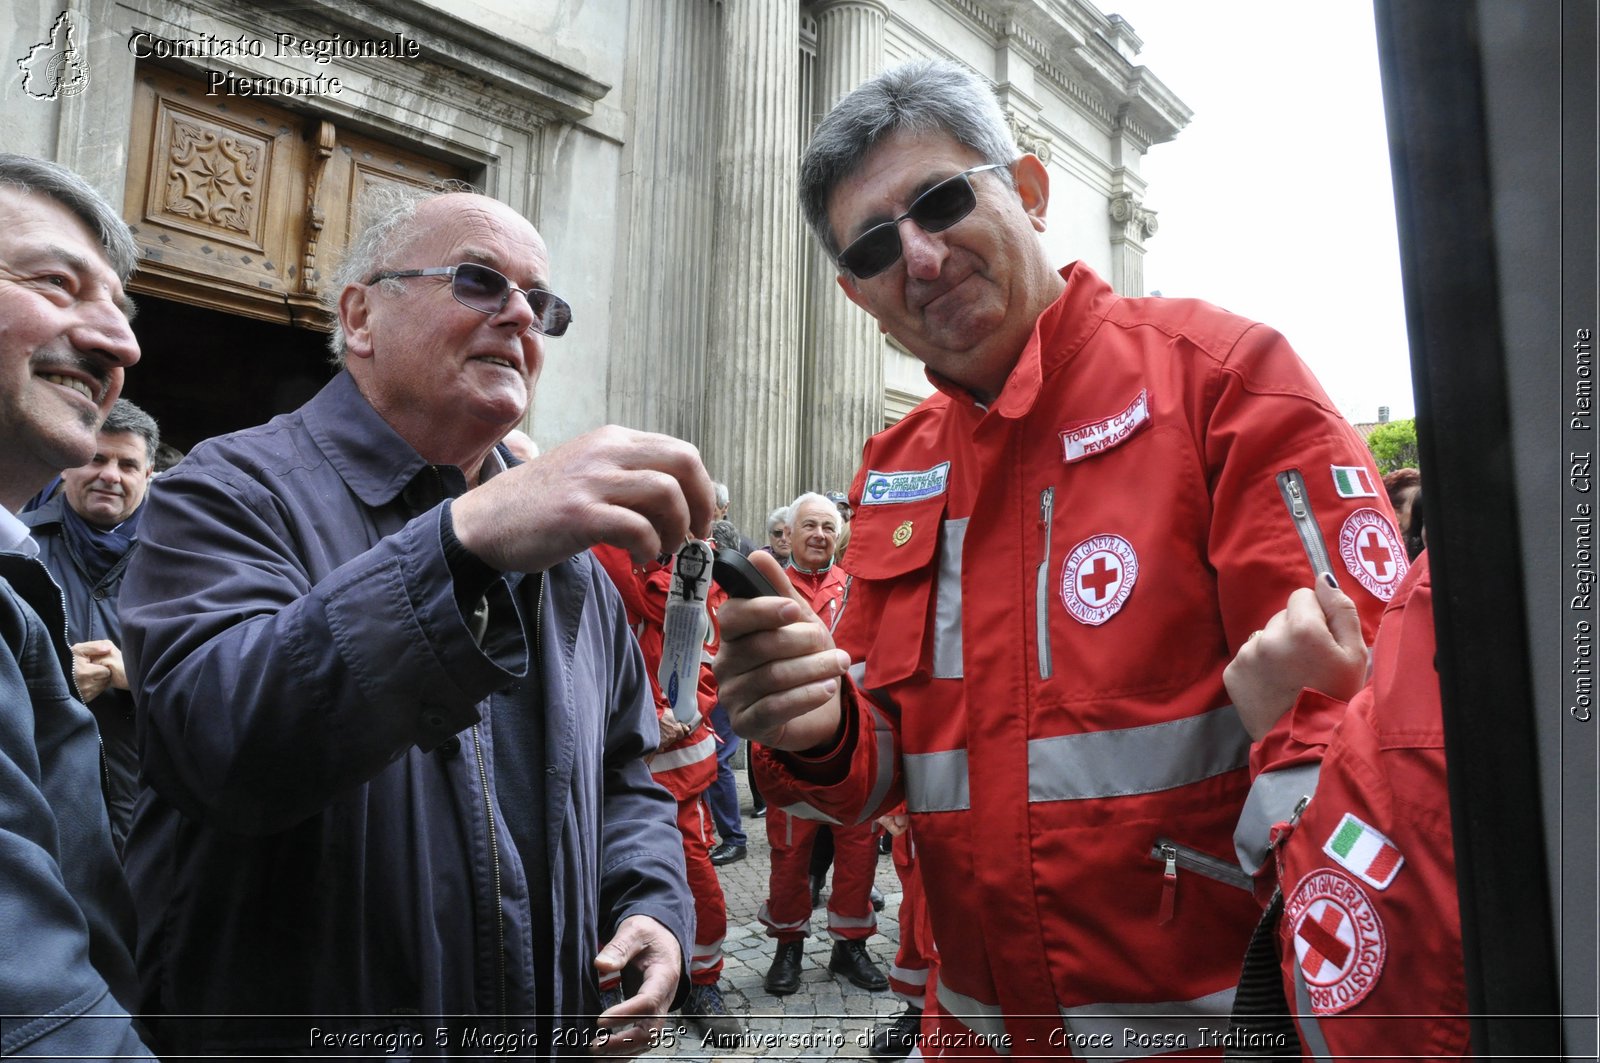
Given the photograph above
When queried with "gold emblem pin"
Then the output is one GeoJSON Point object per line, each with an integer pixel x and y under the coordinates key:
{"type": "Point", "coordinates": [902, 534]}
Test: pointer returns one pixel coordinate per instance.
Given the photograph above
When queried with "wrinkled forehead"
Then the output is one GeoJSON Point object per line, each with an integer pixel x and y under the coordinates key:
{"type": "Point", "coordinates": [812, 512]}
{"type": "Point", "coordinates": [462, 227]}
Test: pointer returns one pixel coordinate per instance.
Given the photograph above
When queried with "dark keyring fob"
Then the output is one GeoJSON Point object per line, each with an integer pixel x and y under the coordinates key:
{"type": "Point", "coordinates": [735, 574]}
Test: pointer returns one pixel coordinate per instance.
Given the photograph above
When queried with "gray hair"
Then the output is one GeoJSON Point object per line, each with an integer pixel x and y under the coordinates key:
{"type": "Point", "coordinates": [778, 516]}
{"type": "Point", "coordinates": [812, 496]}
{"type": "Point", "coordinates": [725, 535]}
{"type": "Point", "coordinates": [126, 417]}
{"type": "Point", "coordinates": [922, 97]}
{"type": "Point", "coordinates": [721, 493]}
{"type": "Point", "coordinates": [388, 212]}
{"type": "Point", "coordinates": [54, 181]}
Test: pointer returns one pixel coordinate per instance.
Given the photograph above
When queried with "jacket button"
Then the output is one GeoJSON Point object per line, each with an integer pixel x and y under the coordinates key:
{"type": "Point", "coordinates": [550, 770]}
{"type": "Point", "coordinates": [99, 594]}
{"type": "Point", "coordinates": [449, 747]}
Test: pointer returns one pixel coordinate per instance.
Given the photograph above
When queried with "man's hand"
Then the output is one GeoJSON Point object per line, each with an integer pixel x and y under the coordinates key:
{"type": "Point", "coordinates": [639, 491]}
{"type": "Point", "coordinates": [649, 949]}
{"type": "Point", "coordinates": [91, 678]}
{"type": "Point", "coordinates": [1315, 642]}
{"type": "Point", "coordinates": [672, 730]}
{"type": "Point", "coordinates": [778, 672]}
{"type": "Point", "coordinates": [104, 652]}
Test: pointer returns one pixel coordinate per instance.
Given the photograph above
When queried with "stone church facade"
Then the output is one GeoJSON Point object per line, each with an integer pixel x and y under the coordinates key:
{"type": "Point", "coordinates": [654, 143]}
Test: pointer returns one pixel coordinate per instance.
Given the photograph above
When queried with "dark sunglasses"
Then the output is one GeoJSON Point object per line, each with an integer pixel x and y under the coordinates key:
{"type": "Point", "coordinates": [487, 291]}
{"type": "Point", "coordinates": [934, 211]}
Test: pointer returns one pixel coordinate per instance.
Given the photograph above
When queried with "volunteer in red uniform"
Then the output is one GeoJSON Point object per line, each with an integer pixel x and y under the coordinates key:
{"type": "Point", "coordinates": [814, 524]}
{"type": "Point", "coordinates": [1052, 560]}
{"type": "Point", "coordinates": [1369, 939]}
{"type": "Point", "coordinates": [686, 765]}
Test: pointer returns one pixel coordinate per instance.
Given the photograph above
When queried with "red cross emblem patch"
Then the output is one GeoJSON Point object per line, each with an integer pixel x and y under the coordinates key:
{"type": "Point", "coordinates": [1339, 943]}
{"type": "Point", "coordinates": [1373, 553]}
{"type": "Point", "coordinates": [1097, 578]}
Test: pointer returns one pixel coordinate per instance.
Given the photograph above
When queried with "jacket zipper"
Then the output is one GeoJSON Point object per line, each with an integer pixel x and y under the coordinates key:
{"type": "Point", "coordinates": [1174, 856]}
{"type": "Point", "coordinates": [1293, 488]}
{"type": "Point", "coordinates": [494, 863]}
{"type": "Point", "coordinates": [1041, 590]}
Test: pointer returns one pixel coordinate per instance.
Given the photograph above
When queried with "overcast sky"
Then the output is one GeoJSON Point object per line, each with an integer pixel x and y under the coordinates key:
{"type": "Point", "coordinates": [1275, 201]}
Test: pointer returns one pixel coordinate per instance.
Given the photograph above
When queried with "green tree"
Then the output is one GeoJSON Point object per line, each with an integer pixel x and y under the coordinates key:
{"type": "Point", "coordinates": [1394, 445]}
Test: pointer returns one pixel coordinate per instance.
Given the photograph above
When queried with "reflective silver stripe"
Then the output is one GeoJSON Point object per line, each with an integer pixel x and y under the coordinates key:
{"type": "Point", "coordinates": [883, 735]}
{"type": "Point", "coordinates": [1272, 799]}
{"type": "Point", "coordinates": [987, 1021]}
{"type": "Point", "coordinates": [704, 957]}
{"type": "Point", "coordinates": [947, 601]}
{"type": "Point", "coordinates": [936, 782]}
{"type": "Point", "coordinates": [1137, 760]}
{"type": "Point", "coordinates": [1189, 1020]}
{"type": "Point", "coordinates": [908, 976]}
{"type": "Point", "coordinates": [801, 810]}
{"type": "Point", "coordinates": [844, 600]}
{"type": "Point", "coordinates": [683, 757]}
{"type": "Point", "coordinates": [765, 918]}
{"type": "Point", "coordinates": [837, 923]}
{"type": "Point", "coordinates": [1311, 1040]}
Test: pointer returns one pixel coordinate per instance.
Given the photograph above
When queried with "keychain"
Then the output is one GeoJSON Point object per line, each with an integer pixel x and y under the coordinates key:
{"type": "Point", "coordinates": [684, 631]}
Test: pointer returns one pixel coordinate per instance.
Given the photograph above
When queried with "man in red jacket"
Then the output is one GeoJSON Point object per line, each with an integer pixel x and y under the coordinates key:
{"type": "Point", "coordinates": [814, 524]}
{"type": "Point", "coordinates": [1052, 561]}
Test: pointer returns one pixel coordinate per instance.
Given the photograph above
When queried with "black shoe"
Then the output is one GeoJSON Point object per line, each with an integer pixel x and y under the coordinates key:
{"type": "Point", "coordinates": [705, 1008]}
{"type": "Point", "coordinates": [783, 977]}
{"type": "Point", "coordinates": [877, 899]}
{"type": "Point", "coordinates": [885, 843]}
{"type": "Point", "coordinates": [816, 891]}
{"type": "Point", "coordinates": [896, 1040]}
{"type": "Point", "coordinates": [727, 853]}
{"type": "Point", "coordinates": [851, 960]}
{"type": "Point", "coordinates": [760, 813]}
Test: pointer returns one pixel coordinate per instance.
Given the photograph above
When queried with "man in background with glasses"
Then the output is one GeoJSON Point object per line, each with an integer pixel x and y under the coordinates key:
{"type": "Point", "coordinates": [1052, 561]}
{"type": "Point", "coordinates": [393, 720]}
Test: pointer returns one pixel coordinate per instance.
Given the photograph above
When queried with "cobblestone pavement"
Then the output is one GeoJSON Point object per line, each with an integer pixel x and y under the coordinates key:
{"type": "Point", "coordinates": [828, 1018]}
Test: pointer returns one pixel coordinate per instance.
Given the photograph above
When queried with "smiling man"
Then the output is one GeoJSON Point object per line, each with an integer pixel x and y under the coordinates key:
{"type": "Point", "coordinates": [67, 981]}
{"type": "Point", "coordinates": [86, 534]}
{"type": "Point", "coordinates": [394, 720]}
{"type": "Point", "coordinates": [1052, 560]}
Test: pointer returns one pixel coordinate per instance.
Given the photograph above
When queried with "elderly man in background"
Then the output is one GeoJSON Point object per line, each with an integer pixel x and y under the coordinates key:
{"type": "Point", "coordinates": [86, 534]}
{"type": "Point", "coordinates": [67, 981]}
{"type": "Point", "coordinates": [394, 722]}
{"type": "Point", "coordinates": [1052, 560]}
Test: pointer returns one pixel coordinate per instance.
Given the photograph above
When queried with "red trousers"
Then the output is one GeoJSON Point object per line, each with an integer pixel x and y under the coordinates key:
{"type": "Point", "coordinates": [908, 977]}
{"type": "Point", "coordinates": [710, 909]}
{"type": "Point", "coordinates": [787, 911]}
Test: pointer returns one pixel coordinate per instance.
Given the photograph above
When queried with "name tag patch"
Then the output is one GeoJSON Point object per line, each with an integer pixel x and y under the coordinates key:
{"type": "Point", "coordinates": [883, 488]}
{"type": "Point", "coordinates": [1095, 437]}
{"type": "Point", "coordinates": [1097, 578]}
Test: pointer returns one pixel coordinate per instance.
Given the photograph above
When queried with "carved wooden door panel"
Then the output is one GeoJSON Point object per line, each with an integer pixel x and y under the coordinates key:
{"type": "Point", "coordinates": [243, 206]}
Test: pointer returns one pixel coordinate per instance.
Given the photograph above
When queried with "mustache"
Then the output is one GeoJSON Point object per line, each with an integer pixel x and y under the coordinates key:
{"type": "Point", "coordinates": [66, 362]}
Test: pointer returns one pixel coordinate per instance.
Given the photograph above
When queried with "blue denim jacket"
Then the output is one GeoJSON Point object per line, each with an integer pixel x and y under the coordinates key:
{"type": "Point", "coordinates": [322, 835]}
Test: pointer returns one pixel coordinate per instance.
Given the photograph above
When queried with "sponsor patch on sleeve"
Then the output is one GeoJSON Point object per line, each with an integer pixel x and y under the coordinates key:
{"type": "Point", "coordinates": [1097, 578]}
{"type": "Point", "coordinates": [1353, 481]}
{"type": "Point", "coordinates": [1339, 941]}
{"type": "Point", "coordinates": [1373, 858]}
{"type": "Point", "coordinates": [883, 488]}
{"type": "Point", "coordinates": [1094, 437]}
{"type": "Point", "coordinates": [1373, 553]}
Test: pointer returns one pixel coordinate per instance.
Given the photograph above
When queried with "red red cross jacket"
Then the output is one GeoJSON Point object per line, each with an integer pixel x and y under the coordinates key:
{"type": "Point", "coordinates": [1044, 594]}
{"type": "Point", "coordinates": [1370, 937]}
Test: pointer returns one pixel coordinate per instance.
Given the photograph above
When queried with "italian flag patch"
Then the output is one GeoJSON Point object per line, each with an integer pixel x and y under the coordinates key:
{"type": "Point", "coordinates": [1353, 481]}
{"type": "Point", "coordinates": [1372, 857]}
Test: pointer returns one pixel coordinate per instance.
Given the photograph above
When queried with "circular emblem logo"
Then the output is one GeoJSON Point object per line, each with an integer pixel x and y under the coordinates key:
{"type": "Point", "coordinates": [1372, 552]}
{"type": "Point", "coordinates": [877, 486]}
{"type": "Point", "coordinates": [1097, 578]}
{"type": "Point", "coordinates": [1339, 943]}
{"type": "Point", "coordinates": [902, 534]}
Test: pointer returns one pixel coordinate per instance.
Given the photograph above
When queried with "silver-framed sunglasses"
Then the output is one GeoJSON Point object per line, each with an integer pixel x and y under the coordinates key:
{"type": "Point", "coordinates": [934, 211]}
{"type": "Point", "coordinates": [488, 290]}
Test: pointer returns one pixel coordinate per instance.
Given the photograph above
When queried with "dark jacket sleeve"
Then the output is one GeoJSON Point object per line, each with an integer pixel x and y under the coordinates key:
{"type": "Point", "coordinates": [54, 997]}
{"type": "Point", "coordinates": [263, 692]}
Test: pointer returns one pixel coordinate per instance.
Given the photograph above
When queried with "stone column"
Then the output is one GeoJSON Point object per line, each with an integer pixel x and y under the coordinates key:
{"type": "Point", "coordinates": [753, 400]}
{"type": "Point", "coordinates": [668, 196]}
{"type": "Point", "coordinates": [1131, 225]}
{"type": "Point", "coordinates": [843, 366]}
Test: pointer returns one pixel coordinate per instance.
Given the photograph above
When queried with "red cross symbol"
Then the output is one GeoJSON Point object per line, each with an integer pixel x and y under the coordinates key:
{"type": "Point", "coordinates": [1375, 552]}
{"type": "Point", "coordinates": [1320, 934]}
{"type": "Point", "coordinates": [1098, 578]}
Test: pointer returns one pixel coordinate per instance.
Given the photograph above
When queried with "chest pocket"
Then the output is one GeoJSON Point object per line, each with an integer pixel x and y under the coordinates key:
{"type": "Point", "coordinates": [898, 597]}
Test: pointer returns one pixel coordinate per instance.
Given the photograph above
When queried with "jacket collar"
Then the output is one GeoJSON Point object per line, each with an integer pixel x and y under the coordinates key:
{"type": "Point", "coordinates": [370, 456]}
{"type": "Point", "coordinates": [1065, 325]}
{"type": "Point", "coordinates": [14, 536]}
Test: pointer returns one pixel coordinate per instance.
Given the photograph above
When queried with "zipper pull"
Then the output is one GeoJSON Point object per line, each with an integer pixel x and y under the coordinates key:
{"type": "Point", "coordinates": [1297, 502]}
{"type": "Point", "coordinates": [1169, 884]}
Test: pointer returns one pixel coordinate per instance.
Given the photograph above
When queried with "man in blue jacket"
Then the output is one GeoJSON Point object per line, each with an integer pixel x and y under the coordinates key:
{"type": "Point", "coordinates": [392, 719]}
{"type": "Point", "coordinates": [66, 930]}
{"type": "Point", "coordinates": [86, 534]}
